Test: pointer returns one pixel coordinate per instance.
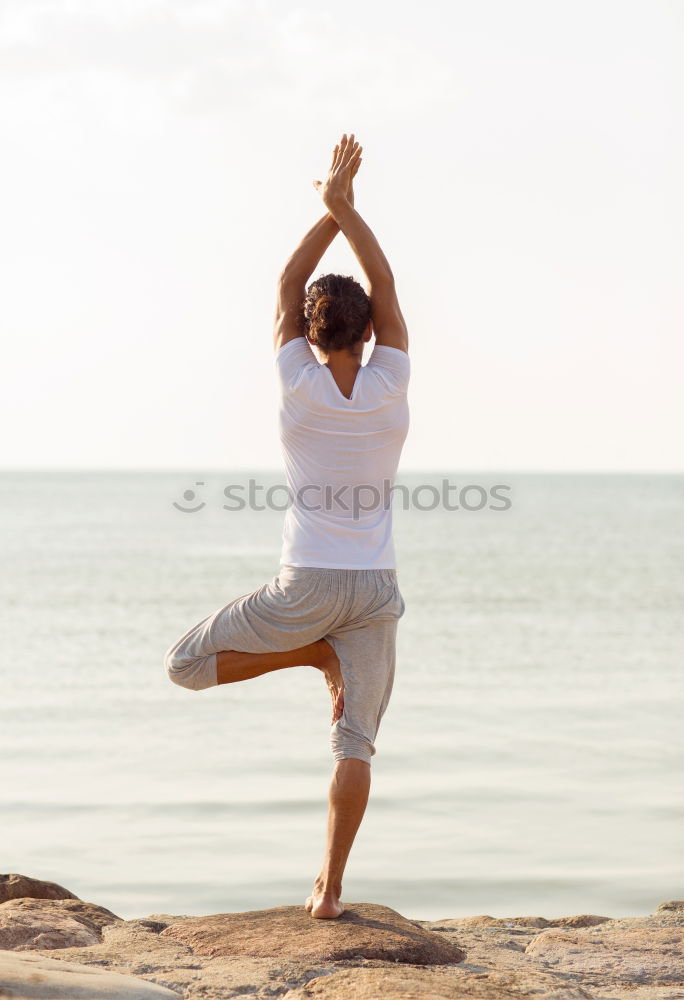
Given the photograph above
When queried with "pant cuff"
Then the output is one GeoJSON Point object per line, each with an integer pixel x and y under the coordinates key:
{"type": "Point", "coordinates": [197, 675]}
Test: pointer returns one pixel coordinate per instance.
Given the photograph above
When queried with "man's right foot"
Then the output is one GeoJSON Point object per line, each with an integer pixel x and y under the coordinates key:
{"type": "Point", "coordinates": [328, 662]}
{"type": "Point", "coordinates": [324, 905]}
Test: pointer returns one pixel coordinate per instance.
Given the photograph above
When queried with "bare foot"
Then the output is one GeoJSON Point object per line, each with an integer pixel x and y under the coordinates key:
{"type": "Point", "coordinates": [324, 905]}
{"type": "Point", "coordinates": [329, 664]}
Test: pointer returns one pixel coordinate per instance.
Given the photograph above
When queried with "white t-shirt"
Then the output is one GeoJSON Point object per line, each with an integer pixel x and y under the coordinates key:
{"type": "Point", "coordinates": [341, 456]}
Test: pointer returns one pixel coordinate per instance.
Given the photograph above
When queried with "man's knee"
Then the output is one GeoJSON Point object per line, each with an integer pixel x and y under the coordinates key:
{"type": "Point", "coordinates": [359, 757]}
{"type": "Point", "coordinates": [346, 742]}
{"type": "Point", "coordinates": [193, 673]}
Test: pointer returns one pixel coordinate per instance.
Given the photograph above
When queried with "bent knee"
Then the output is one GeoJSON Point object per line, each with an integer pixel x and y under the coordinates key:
{"type": "Point", "coordinates": [194, 673]}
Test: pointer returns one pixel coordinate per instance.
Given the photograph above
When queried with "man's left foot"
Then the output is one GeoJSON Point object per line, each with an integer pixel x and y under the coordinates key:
{"type": "Point", "coordinates": [324, 905]}
{"type": "Point", "coordinates": [328, 662]}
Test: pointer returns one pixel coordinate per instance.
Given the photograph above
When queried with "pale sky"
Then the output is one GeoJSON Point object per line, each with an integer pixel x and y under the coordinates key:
{"type": "Point", "coordinates": [522, 170]}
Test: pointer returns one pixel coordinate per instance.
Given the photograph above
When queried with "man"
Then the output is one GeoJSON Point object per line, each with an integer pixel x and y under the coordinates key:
{"type": "Point", "coordinates": [335, 602]}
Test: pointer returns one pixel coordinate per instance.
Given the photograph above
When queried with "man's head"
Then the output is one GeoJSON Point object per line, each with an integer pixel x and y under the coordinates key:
{"type": "Point", "coordinates": [337, 314]}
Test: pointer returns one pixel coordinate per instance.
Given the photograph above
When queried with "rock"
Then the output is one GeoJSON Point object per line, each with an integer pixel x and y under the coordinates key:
{"type": "Point", "coordinates": [671, 904]}
{"type": "Point", "coordinates": [581, 920]}
{"type": "Point", "coordinates": [15, 886]}
{"type": "Point", "coordinates": [410, 983]}
{"type": "Point", "coordinates": [30, 977]}
{"type": "Point", "coordinates": [485, 921]}
{"type": "Point", "coordinates": [370, 952]}
{"type": "Point", "coordinates": [492, 948]}
{"type": "Point", "coordinates": [132, 948]}
{"type": "Point", "coordinates": [167, 918]}
{"type": "Point", "coordinates": [51, 923]}
{"type": "Point", "coordinates": [364, 929]}
{"type": "Point", "coordinates": [638, 954]}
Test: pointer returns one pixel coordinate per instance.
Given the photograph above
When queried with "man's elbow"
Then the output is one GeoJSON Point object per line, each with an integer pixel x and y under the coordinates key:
{"type": "Point", "coordinates": [384, 279]}
{"type": "Point", "coordinates": [290, 279]}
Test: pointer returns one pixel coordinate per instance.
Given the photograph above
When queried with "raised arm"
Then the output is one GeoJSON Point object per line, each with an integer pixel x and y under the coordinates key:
{"type": "Point", "coordinates": [389, 325]}
{"type": "Point", "coordinates": [291, 287]}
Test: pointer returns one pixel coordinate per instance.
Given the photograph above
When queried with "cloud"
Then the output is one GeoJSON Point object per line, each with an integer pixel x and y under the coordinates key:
{"type": "Point", "coordinates": [216, 55]}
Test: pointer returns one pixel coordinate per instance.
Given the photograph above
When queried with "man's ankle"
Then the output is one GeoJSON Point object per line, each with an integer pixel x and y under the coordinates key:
{"type": "Point", "coordinates": [321, 887]}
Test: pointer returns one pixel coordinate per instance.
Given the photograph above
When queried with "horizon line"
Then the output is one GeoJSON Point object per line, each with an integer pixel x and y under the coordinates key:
{"type": "Point", "coordinates": [425, 470]}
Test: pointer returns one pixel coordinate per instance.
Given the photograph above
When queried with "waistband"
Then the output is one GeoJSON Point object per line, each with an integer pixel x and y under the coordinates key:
{"type": "Point", "coordinates": [383, 575]}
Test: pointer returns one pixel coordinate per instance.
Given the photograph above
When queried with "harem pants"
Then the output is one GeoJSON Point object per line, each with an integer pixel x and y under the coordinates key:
{"type": "Point", "coordinates": [356, 610]}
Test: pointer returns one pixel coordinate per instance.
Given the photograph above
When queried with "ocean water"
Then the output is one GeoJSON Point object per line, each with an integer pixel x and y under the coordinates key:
{"type": "Point", "coordinates": [530, 761]}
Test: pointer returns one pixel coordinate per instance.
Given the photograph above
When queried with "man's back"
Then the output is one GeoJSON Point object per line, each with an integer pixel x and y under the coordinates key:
{"type": "Point", "coordinates": [341, 455]}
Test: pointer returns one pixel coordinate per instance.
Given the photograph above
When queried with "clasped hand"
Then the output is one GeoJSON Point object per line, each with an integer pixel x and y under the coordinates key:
{"type": "Point", "coordinates": [346, 160]}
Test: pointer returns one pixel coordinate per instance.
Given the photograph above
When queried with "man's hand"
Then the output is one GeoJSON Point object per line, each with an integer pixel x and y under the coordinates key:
{"type": "Point", "coordinates": [350, 190]}
{"type": "Point", "coordinates": [346, 160]}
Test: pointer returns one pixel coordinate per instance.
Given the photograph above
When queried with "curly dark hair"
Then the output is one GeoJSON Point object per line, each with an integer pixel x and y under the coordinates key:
{"type": "Point", "coordinates": [336, 312]}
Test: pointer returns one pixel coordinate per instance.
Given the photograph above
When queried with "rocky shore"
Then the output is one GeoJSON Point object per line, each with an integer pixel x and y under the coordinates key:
{"type": "Point", "coordinates": [55, 945]}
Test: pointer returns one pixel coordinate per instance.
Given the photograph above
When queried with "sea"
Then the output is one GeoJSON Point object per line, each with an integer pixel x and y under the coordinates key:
{"type": "Point", "coordinates": [531, 758]}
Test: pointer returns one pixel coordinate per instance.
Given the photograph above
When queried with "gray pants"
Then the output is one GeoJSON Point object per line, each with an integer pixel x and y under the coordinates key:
{"type": "Point", "coordinates": [356, 610]}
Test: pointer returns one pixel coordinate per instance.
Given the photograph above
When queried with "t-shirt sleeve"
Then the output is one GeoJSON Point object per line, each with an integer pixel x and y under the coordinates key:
{"type": "Point", "coordinates": [291, 360]}
{"type": "Point", "coordinates": [392, 366]}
